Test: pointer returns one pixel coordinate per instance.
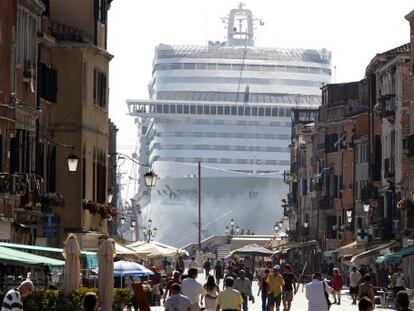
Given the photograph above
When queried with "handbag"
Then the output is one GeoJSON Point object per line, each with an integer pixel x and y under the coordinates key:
{"type": "Point", "coordinates": [326, 296]}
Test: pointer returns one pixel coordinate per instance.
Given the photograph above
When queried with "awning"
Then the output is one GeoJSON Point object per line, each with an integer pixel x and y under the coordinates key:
{"type": "Point", "coordinates": [252, 250]}
{"type": "Point", "coordinates": [342, 250]}
{"type": "Point", "coordinates": [331, 253]}
{"type": "Point", "coordinates": [290, 246]}
{"type": "Point", "coordinates": [9, 254]}
{"type": "Point", "coordinates": [155, 249]}
{"type": "Point", "coordinates": [123, 250]}
{"type": "Point", "coordinates": [91, 259]}
{"type": "Point", "coordinates": [375, 251]}
{"type": "Point", "coordinates": [396, 257]}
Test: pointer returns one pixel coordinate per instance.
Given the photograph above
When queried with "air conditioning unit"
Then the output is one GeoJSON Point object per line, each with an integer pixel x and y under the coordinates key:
{"type": "Point", "coordinates": [28, 71]}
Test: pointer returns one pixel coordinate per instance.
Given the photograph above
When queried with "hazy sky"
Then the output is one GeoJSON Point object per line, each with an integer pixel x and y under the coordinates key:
{"type": "Point", "coordinates": [354, 30]}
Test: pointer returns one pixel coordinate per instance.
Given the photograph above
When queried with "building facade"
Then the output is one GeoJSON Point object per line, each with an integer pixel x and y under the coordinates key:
{"type": "Point", "coordinates": [351, 176]}
{"type": "Point", "coordinates": [53, 103]}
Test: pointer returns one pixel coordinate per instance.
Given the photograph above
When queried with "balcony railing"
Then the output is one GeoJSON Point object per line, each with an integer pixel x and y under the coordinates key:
{"type": "Point", "coordinates": [387, 104]}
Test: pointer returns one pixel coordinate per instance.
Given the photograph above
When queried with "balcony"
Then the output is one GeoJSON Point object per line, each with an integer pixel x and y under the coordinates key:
{"type": "Point", "coordinates": [387, 105]}
{"type": "Point", "coordinates": [389, 168]}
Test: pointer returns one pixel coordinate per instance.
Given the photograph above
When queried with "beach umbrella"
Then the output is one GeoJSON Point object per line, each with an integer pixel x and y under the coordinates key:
{"type": "Point", "coordinates": [71, 253]}
{"type": "Point", "coordinates": [106, 254]}
{"type": "Point", "coordinates": [129, 268]}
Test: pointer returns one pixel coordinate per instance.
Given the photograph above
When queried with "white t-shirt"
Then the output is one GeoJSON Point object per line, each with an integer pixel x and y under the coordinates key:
{"type": "Point", "coordinates": [354, 279]}
{"type": "Point", "coordinates": [400, 280]}
{"type": "Point", "coordinates": [177, 302]}
{"type": "Point", "coordinates": [192, 289]}
{"type": "Point", "coordinates": [192, 264]}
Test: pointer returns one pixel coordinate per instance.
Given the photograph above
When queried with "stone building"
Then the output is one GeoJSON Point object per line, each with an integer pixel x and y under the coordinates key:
{"type": "Point", "coordinates": [390, 102]}
{"type": "Point", "coordinates": [80, 116]}
{"type": "Point", "coordinates": [53, 103]}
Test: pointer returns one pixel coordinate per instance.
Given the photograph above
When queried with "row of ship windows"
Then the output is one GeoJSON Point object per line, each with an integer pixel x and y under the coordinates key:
{"type": "Point", "coordinates": [236, 80]}
{"type": "Point", "coordinates": [213, 110]}
{"type": "Point", "coordinates": [238, 67]}
{"type": "Point", "coordinates": [230, 122]}
{"type": "Point", "coordinates": [224, 135]}
{"type": "Point", "coordinates": [237, 97]}
{"type": "Point", "coordinates": [218, 147]}
{"type": "Point", "coordinates": [221, 160]}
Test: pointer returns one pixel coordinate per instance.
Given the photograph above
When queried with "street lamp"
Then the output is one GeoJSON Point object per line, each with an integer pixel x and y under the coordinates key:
{"type": "Point", "coordinates": [72, 160]}
{"type": "Point", "coordinates": [122, 220]}
{"type": "Point", "coordinates": [149, 232]}
{"type": "Point", "coordinates": [306, 224]}
{"type": "Point", "coordinates": [366, 207]}
{"type": "Point", "coordinates": [133, 223]}
{"type": "Point", "coordinates": [226, 230]}
{"type": "Point", "coordinates": [110, 197]}
{"type": "Point", "coordinates": [232, 226]}
{"type": "Point", "coordinates": [150, 179]}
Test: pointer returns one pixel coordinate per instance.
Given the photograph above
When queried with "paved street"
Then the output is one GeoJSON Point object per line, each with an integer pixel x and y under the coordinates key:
{"type": "Point", "coordinates": [299, 303]}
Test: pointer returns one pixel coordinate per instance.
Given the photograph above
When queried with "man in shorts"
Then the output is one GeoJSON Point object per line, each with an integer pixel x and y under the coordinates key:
{"type": "Point", "coordinates": [290, 288]}
{"type": "Point", "coordinates": [354, 280]}
{"type": "Point", "coordinates": [275, 283]}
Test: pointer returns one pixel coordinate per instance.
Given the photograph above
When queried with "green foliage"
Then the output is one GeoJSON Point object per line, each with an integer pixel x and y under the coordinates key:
{"type": "Point", "coordinates": [55, 300]}
{"type": "Point", "coordinates": [121, 296]}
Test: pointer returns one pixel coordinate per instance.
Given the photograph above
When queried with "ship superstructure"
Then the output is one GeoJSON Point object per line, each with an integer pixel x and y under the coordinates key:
{"type": "Point", "coordinates": [227, 105]}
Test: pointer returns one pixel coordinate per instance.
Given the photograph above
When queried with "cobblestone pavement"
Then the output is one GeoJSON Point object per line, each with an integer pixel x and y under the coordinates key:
{"type": "Point", "coordinates": [300, 302]}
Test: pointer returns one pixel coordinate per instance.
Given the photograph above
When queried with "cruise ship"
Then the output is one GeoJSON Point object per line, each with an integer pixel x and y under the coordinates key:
{"type": "Point", "coordinates": [228, 106]}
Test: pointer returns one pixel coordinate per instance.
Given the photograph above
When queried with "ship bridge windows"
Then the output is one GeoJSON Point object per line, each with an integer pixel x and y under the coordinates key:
{"type": "Point", "coordinates": [261, 111]}
{"type": "Point", "coordinates": [201, 66]}
{"type": "Point", "coordinates": [289, 99]}
{"type": "Point", "coordinates": [224, 66]}
{"type": "Point", "coordinates": [189, 66]}
{"type": "Point", "coordinates": [203, 109]}
{"type": "Point", "coordinates": [212, 66]}
{"type": "Point", "coordinates": [237, 67]}
{"type": "Point", "coordinates": [234, 111]}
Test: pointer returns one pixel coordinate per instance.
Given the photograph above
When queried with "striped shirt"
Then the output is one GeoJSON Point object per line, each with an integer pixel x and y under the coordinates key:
{"type": "Point", "coordinates": [243, 286]}
{"type": "Point", "coordinates": [12, 301]}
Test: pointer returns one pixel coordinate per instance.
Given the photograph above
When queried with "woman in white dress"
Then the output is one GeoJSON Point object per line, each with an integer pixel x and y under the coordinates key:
{"type": "Point", "coordinates": [212, 291]}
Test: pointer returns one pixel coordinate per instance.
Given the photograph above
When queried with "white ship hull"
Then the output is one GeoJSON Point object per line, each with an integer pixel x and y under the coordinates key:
{"type": "Point", "coordinates": [252, 201]}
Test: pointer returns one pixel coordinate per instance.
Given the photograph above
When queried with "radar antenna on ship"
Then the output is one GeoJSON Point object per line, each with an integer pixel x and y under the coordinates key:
{"type": "Point", "coordinates": [240, 26]}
